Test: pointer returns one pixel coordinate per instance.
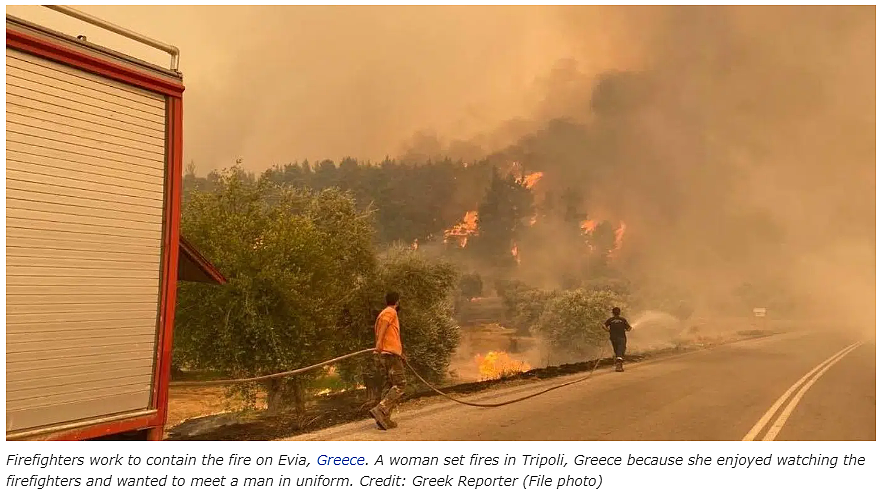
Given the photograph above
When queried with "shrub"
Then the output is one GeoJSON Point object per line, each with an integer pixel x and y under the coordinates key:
{"type": "Point", "coordinates": [572, 323]}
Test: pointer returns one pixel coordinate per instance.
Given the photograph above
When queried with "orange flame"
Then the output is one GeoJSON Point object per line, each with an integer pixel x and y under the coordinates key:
{"type": "Point", "coordinates": [588, 225]}
{"type": "Point", "coordinates": [531, 179]}
{"type": "Point", "coordinates": [620, 233]}
{"type": "Point", "coordinates": [462, 231]}
{"type": "Point", "coordinates": [534, 219]}
{"type": "Point", "coordinates": [514, 253]}
{"type": "Point", "coordinates": [495, 365]}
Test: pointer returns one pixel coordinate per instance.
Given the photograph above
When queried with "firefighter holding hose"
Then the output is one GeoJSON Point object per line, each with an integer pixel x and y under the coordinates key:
{"type": "Point", "coordinates": [391, 359]}
{"type": "Point", "coordinates": [617, 326]}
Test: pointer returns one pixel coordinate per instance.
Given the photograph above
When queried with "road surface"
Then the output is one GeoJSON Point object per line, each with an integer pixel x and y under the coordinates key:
{"type": "Point", "coordinates": [752, 389]}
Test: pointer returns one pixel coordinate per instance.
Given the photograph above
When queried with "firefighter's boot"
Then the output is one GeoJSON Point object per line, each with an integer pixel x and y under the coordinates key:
{"type": "Point", "coordinates": [620, 364]}
{"type": "Point", "coordinates": [383, 421]}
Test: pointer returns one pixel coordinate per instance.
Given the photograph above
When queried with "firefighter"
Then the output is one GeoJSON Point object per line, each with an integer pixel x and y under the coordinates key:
{"type": "Point", "coordinates": [617, 326]}
{"type": "Point", "coordinates": [391, 358]}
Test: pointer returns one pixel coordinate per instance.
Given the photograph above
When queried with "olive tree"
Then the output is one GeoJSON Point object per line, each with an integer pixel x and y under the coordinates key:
{"type": "Point", "coordinates": [429, 332]}
{"type": "Point", "coordinates": [571, 325]}
{"type": "Point", "coordinates": [295, 259]}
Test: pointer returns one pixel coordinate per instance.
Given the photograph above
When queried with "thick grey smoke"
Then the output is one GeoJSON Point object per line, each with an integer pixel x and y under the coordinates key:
{"type": "Point", "coordinates": [738, 144]}
{"type": "Point", "coordinates": [739, 148]}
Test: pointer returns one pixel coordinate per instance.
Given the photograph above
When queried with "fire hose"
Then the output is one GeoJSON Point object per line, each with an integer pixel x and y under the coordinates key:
{"type": "Point", "coordinates": [294, 372]}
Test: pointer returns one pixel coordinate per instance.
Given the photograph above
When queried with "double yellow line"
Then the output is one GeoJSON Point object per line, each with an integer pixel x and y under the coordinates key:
{"type": "Point", "coordinates": [805, 382]}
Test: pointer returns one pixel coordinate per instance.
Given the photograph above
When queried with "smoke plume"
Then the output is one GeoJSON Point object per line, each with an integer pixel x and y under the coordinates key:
{"type": "Point", "coordinates": [737, 143]}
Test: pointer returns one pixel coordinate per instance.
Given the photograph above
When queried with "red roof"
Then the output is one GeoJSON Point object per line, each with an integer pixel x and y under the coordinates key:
{"type": "Point", "coordinates": [193, 266]}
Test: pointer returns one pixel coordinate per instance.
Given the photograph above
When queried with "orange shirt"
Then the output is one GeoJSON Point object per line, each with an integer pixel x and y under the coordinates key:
{"type": "Point", "coordinates": [392, 337]}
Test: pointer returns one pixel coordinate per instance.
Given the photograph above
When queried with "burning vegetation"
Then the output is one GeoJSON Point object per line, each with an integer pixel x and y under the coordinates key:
{"type": "Point", "coordinates": [495, 365]}
{"type": "Point", "coordinates": [461, 232]}
{"type": "Point", "coordinates": [531, 179]}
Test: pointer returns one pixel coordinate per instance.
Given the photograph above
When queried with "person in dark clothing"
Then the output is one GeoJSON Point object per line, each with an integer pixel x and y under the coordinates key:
{"type": "Point", "coordinates": [617, 326]}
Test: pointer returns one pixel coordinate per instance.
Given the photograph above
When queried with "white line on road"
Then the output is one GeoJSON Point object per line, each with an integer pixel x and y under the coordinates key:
{"type": "Point", "coordinates": [785, 414]}
{"type": "Point", "coordinates": [752, 434]}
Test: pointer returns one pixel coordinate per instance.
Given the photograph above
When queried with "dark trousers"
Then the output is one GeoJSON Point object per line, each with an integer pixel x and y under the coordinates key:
{"type": "Point", "coordinates": [393, 367]}
{"type": "Point", "coordinates": [619, 342]}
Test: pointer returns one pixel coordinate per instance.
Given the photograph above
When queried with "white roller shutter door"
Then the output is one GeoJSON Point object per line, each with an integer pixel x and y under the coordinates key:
{"type": "Point", "coordinates": [85, 183]}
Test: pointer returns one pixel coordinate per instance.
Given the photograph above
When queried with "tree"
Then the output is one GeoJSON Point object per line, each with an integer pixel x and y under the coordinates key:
{"type": "Point", "coordinates": [602, 240]}
{"type": "Point", "coordinates": [501, 216]}
{"type": "Point", "coordinates": [294, 259]}
{"type": "Point", "coordinates": [429, 332]}
{"type": "Point", "coordinates": [571, 323]}
{"type": "Point", "coordinates": [529, 308]}
{"type": "Point", "coordinates": [471, 286]}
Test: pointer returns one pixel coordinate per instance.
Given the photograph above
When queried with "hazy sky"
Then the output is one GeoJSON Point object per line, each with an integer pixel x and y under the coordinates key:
{"type": "Point", "coordinates": [277, 84]}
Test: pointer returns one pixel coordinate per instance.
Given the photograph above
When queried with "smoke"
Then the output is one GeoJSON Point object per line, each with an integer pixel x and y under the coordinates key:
{"type": "Point", "coordinates": [737, 143]}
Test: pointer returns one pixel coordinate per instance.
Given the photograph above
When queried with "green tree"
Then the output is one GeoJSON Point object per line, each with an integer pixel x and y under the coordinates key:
{"type": "Point", "coordinates": [471, 286]}
{"type": "Point", "coordinates": [429, 332]}
{"type": "Point", "coordinates": [529, 308]}
{"type": "Point", "coordinates": [571, 323]}
{"type": "Point", "coordinates": [295, 259]}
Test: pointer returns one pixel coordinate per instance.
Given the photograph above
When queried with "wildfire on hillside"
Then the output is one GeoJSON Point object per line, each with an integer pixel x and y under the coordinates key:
{"type": "Point", "coordinates": [620, 235]}
{"type": "Point", "coordinates": [588, 225]}
{"type": "Point", "coordinates": [531, 179]}
{"type": "Point", "coordinates": [461, 232]}
{"type": "Point", "coordinates": [528, 180]}
{"type": "Point", "coordinates": [495, 365]}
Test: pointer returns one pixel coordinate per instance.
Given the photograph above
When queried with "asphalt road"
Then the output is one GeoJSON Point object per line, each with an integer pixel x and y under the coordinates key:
{"type": "Point", "coordinates": [725, 393]}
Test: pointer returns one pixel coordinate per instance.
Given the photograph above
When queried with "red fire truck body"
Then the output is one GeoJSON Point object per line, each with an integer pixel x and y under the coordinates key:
{"type": "Point", "coordinates": [93, 246]}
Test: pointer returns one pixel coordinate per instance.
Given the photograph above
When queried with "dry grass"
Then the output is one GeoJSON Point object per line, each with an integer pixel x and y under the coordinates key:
{"type": "Point", "coordinates": [192, 402]}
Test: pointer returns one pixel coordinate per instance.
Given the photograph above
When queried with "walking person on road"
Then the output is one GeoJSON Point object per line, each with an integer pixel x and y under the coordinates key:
{"type": "Point", "coordinates": [391, 359]}
{"type": "Point", "coordinates": [617, 326]}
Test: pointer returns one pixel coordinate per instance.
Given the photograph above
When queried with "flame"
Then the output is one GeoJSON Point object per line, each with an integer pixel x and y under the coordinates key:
{"type": "Point", "coordinates": [620, 233]}
{"type": "Point", "coordinates": [588, 225]}
{"type": "Point", "coordinates": [462, 231]}
{"type": "Point", "coordinates": [528, 180]}
{"type": "Point", "coordinates": [531, 179]}
{"type": "Point", "coordinates": [534, 219]}
{"type": "Point", "coordinates": [495, 365]}
{"type": "Point", "coordinates": [415, 245]}
{"type": "Point", "coordinates": [514, 253]}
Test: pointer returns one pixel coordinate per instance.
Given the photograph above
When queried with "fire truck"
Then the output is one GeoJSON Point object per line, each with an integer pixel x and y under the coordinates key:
{"type": "Point", "coordinates": [93, 246]}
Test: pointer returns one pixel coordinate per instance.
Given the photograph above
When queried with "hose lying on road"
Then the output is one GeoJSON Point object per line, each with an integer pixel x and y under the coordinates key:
{"type": "Point", "coordinates": [366, 351]}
